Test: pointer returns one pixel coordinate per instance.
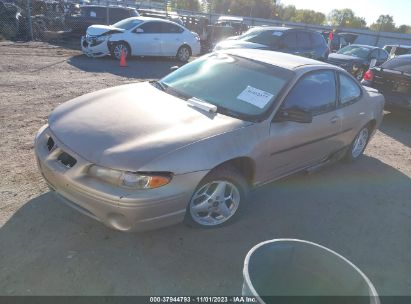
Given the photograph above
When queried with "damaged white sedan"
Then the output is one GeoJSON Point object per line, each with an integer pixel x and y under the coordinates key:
{"type": "Point", "coordinates": [141, 36]}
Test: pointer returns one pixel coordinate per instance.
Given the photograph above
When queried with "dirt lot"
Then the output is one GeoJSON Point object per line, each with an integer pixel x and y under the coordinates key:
{"type": "Point", "coordinates": [361, 210]}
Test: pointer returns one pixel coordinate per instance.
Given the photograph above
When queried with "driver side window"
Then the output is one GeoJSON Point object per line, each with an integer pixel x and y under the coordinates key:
{"type": "Point", "coordinates": [315, 93]}
{"type": "Point", "coordinates": [150, 27]}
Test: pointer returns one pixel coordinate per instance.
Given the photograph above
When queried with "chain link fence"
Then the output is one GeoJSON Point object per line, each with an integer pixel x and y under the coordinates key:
{"type": "Point", "coordinates": [66, 20]}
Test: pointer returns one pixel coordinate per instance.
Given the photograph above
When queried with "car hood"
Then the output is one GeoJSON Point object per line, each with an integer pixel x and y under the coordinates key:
{"type": "Point", "coordinates": [234, 43]}
{"type": "Point", "coordinates": [96, 30]}
{"type": "Point", "coordinates": [128, 126]}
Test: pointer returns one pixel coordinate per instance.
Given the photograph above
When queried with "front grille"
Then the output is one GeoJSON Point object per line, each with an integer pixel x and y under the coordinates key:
{"type": "Point", "coordinates": [67, 160]}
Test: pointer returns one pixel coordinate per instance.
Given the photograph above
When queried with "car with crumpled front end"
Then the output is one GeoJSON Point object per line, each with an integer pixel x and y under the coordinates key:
{"type": "Point", "coordinates": [190, 146]}
{"type": "Point", "coordinates": [141, 36]}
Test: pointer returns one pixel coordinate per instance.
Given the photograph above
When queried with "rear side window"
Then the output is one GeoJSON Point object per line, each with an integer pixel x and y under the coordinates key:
{"type": "Point", "coordinates": [315, 92]}
{"type": "Point", "coordinates": [349, 90]}
{"type": "Point", "coordinates": [290, 40]}
{"type": "Point", "coordinates": [303, 40]}
{"type": "Point", "coordinates": [152, 27]}
{"type": "Point", "coordinates": [133, 13]}
{"type": "Point", "coordinates": [170, 28]}
{"type": "Point", "coordinates": [398, 64]}
{"type": "Point", "coordinates": [317, 39]}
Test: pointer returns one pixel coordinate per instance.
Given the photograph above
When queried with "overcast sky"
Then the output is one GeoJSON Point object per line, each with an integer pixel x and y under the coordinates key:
{"type": "Point", "coordinates": [368, 9]}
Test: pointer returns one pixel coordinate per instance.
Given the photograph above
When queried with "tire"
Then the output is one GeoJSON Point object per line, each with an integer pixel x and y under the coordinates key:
{"type": "Point", "coordinates": [117, 49]}
{"type": "Point", "coordinates": [359, 144]}
{"type": "Point", "coordinates": [207, 209]}
{"type": "Point", "coordinates": [183, 53]}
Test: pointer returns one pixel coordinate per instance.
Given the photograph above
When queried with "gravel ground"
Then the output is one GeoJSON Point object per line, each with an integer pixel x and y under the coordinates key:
{"type": "Point", "coordinates": [362, 210]}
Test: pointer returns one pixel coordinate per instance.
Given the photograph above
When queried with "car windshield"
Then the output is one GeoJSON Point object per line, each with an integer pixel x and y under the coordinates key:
{"type": "Point", "coordinates": [237, 86]}
{"type": "Point", "coordinates": [259, 35]}
{"type": "Point", "coordinates": [356, 51]}
{"type": "Point", "coordinates": [127, 24]}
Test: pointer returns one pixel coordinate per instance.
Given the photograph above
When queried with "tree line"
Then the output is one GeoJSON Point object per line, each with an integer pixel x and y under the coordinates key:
{"type": "Point", "coordinates": [273, 9]}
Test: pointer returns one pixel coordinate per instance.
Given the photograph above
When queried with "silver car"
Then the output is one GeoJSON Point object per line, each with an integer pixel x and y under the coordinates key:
{"type": "Point", "coordinates": [190, 146]}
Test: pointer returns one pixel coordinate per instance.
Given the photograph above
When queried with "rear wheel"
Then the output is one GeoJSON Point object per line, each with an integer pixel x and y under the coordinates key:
{"type": "Point", "coordinates": [183, 53]}
{"type": "Point", "coordinates": [359, 143]}
{"type": "Point", "coordinates": [118, 48]}
{"type": "Point", "coordinates": [218, 199]}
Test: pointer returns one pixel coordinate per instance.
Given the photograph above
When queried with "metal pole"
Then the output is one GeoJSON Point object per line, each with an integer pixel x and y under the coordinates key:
{"type": "Point", "coordinates": [108, 14]}
{"type": "Point", "coordinates": [29, 20]}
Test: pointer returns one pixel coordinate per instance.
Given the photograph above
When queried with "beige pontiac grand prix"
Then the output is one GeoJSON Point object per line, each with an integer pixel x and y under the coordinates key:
{"type": "Point", "coordinates": [190, 146]}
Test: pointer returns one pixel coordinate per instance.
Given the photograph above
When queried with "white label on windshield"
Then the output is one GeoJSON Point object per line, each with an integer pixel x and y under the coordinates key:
{"type": "Point", "coordinates": [256, 97]}
{"type": "Point", "coordinates": [277, 34]}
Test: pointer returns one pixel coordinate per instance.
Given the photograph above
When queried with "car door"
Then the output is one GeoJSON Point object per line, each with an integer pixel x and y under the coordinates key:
{"type": "Point", "coordinates": [146, 39]}
{"type": "Point", "coordinates": [294, 145]}
{"type": "Point", "coordinates": [171, 38]}
{"type": "Point", "coordinates": [351, 110]}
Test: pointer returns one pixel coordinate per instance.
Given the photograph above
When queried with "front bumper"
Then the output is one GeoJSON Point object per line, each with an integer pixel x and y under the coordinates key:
{"type": "Point", "coordinates": [118, 208]}
{"type": "Point", "coordinates": [91, 50]}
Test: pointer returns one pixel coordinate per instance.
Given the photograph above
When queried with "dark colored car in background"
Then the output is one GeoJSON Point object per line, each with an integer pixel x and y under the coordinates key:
{"type": "Point", "coordinates": [393, 80]}
{"type": "Point", "coordinates": [98, 14]}
{"type": "Point", "coordinates": [357, 58]}
{"type": "Point", "coordinates": [300, 42]}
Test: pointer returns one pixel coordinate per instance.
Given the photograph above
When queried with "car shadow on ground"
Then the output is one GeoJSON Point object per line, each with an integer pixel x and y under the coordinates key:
{"type": "Point", "coordinates": [360, 210]}
{"type": "Point", "coordinates": [397, 124]}
{"type": "Point", "coordinates": [137, 67]}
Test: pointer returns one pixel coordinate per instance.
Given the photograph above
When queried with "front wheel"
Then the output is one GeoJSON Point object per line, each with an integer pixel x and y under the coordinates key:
{"type": "Point", "coordinates": [358, 145]}
{"type": "Point", "coordinates": [118, 48]}
{"type": "Point", "coordinates": [218, 199]}
{"type": "Point", "coordinates": [183, 53]}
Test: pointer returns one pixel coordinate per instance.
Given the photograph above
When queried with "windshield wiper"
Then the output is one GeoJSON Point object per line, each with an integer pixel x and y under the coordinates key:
{"type": "Point", "coordinates": [159, 85]}
{"type": "Point", "coordinates": [201, 104]}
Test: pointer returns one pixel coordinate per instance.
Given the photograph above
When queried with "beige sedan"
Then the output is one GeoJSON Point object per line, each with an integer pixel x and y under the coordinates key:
{"type": "Point", "coordinates": [190, 146]}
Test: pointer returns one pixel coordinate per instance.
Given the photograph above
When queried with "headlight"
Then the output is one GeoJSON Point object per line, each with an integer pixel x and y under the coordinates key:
{"type": "Point", "coordinates": [130, 179]}
{"type": "Point", "coordinates": [101, 39]}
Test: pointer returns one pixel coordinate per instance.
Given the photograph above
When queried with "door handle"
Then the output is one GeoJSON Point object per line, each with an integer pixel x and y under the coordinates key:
{"type": "Point", "coordinates": [335, 119]}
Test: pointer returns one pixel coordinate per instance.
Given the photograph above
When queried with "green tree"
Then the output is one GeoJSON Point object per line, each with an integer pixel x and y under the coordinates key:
{"type": "Point", "coordinates": [308, 16]}
{"type": "Point", "coordinates": [285, 12]}
{"type": "Point", "coordinates": [346, 18]}
{"type": "Point", "coordinates": [405, 29]}
{"type": "Point", "coordinates": [249, 8]}
{"type": "Point", "coordinates": [192, 5]}
{"type": "Point", "coordinates": [384, 23]}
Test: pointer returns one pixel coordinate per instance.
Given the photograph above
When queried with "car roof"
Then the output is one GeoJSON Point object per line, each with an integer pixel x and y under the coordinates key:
{"type": "Point", "coordinates": [144, 18]}
{"type": "Point", "coordinates": [399, 45]}
{"type": "Point", "coordinates": [283, 60]}
{"type": "Point", "coordinates": [405, 56]}
{"type": "Point", "coordinates": [272, 28]}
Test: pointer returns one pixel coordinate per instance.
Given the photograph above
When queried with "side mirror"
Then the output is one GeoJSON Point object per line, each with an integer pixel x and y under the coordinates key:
{"type": "Point", "coordinates": [294, 114]}
{"type": "Point", "coordinates": [139, 31]}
